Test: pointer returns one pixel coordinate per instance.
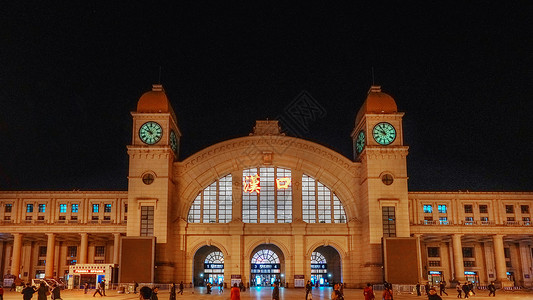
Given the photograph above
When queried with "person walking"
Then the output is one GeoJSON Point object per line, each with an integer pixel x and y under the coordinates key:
{"type": "Point", "coordinates": [427, 286]}
{"type": "Point", "coordinates": [471, 287]}
{"type": "Point", "coordinates": [181, 288]}
{"type": "Point", "coordinates": [145, 293]}
{"type": "Point", "coordinates": [492, 289]}
{"type": "Point", "coordinates": [135, 286]}
{"type": "Point", "coordinates": [56, 292]}
{"type": "Point", "coordinates": [387, 293]}
{"type": "Point", "coordinates": [85, 287]}
{"type": "Point", "coordinates": [1, 293]}
{"type": "Point", "coordinates": [368, 292]}
{"type": "Point", "coordinates": [442, 288]}
{"type": "Point", "coordinates": [235, 293]}
{"type": "Point", "coordinates": [308, 289]}
{"type": "Point", "coordinates": [155, 290]}
{"type": "Point", "coordinates": [418, 289]}
{"type": "Point", "coordinates": [43, 291]}
{"type": "Point", "coordinates": [97, 291]}
{"type": "Point", "coordinates": [433, 295]}
{"type": "Point", "coordinates": [173, 292]}
{"type": "Point", "coordinates": [275, 292]}
{"type": "Point", "coordinates": [459, 290]}
{"type": "Point", "coordinates": [28, 291]}
{"type": "Point", "coordinates": [466, 290]}
{"type": "Point", "coordinates": [102, 286]}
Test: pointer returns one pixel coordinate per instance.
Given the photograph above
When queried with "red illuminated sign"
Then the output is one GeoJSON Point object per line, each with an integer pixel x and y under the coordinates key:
{"type": "Point", "coordinates": [251, 184]}
{"type": "Point", "coordinates": [89, 271]}
{"type": "Point", "coordinates": [283, 183]}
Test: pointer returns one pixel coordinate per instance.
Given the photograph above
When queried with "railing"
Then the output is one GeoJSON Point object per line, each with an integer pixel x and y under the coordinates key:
{"type": "Point", "coordinates": [473, 223]}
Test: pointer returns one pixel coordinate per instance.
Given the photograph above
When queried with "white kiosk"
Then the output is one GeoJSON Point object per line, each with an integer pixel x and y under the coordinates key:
{"type": "Point", "coordinates": [90, 273]}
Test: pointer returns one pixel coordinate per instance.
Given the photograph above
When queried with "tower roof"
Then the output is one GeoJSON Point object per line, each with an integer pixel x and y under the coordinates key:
{"type": "Point", "coordinates": [376, 102]}
{"type": "Point", "coordinates": [154, 101]}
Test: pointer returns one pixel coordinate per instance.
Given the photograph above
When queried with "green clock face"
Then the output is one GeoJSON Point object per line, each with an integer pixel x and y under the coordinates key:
{"type": "Point", "coordinates": [384, 133]}
{"type": "Point", "coordinates": [360, 142]}
{"type": "Point", "coordinates": [173, 141]}
{"type": "Point", "coordinates": [150, 132]}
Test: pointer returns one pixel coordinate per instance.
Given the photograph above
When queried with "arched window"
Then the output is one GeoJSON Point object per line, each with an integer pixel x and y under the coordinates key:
{"type": "Point", "coordinates": [213, 204]}
{"type": "Point", "coordinates": [267, 195]}
{"type": "Point", "coordinates": [214, 258]}
{"type": "Point", "coordinates": [265, 256]}
{"type": "Point", "coordinates": [317, 258]}
{"type": "Point", "coordinates": [319, 203]}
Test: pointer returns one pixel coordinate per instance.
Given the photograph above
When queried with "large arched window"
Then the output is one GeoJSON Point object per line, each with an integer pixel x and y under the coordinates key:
{"type": "Point", "coordinates": [319, 203]}
{"type": "Point", "coordinates": [267, 195]}
{"type": "Point", "coordinates": [265, 256]}
{"type": "Point", "coordinates": [213, 204]}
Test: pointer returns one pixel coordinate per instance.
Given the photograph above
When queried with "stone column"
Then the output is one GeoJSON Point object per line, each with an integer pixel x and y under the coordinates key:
{"type": "Point", "coordinates": [116, 248]}
{"type": "Point", "coordinates": [50, 254]}
{"type": "Point", "coordinates": [499, 258]}
{"type": "Point", "coordinates": [83, 248]}
{"type": "Point", "coordinates": [458, 258]}
{"type": "Point", "coordinates": [17, 252]}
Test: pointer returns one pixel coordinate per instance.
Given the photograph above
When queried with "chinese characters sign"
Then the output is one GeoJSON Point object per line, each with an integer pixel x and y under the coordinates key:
{"type": "Point", "coordinates": [253, 183]}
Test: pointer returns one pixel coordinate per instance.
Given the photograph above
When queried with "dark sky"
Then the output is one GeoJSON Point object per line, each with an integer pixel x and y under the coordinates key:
{"type": "Point", "coordinates": [462, 72]}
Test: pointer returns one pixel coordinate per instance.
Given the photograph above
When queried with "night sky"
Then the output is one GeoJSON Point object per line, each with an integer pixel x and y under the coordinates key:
{"type": "Point", "coordinates": [70, 75]}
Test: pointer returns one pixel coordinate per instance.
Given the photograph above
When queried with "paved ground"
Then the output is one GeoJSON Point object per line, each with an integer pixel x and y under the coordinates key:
{"type": "Point", "coordinates": [265, 293]}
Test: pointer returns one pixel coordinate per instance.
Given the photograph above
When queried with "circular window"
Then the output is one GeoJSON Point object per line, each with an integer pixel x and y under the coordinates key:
{"type": "Point", "coordinates": [387, 179]}
{"type": "Point", "coordinates": [148, 178]}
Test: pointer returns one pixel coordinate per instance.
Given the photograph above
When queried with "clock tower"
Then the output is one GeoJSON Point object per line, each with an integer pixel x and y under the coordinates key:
{"type": "Point", "coordinates": [378, 146]}
{"type": "Point", "coordinates": [151, 186]}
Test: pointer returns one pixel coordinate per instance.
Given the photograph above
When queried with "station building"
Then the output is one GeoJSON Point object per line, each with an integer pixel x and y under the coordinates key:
{"type": "Point", "coordinates": [270, 207]}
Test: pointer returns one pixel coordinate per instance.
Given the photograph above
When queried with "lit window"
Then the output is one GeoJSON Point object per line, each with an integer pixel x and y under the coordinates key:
{"type": "Point", "coordinates": [319, 203]}
{"type": "Point", "coordinates": [74, 208]}
{"type": "Point", "coordinates": [107, 208]}
{"type": "Point", "coordinates": [428, 208]}
{"type": "Point", "coordinates": [8, 208]}
{"type": "Point", "coordinates": [442, 209]}
{"type": "Point", "coordinates": [526, 221]}
{"type": "Point", "coordinates": [29, 208]}
{"type": "Point", "coordinates": [62, 208]}
{"type": "Point", "coordinates": [96, 208]}
{"type": "Point", "coordinates": [42, 208]}
{"type": "Point", "coordinates": [484, 219]}
{"type": "Point", "coordinates": [443, 220]}
{"type": "Point", "coordinates": [214, 203]}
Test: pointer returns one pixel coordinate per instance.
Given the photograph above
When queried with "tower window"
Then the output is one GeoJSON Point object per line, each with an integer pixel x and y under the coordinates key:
{"type": "Point", "coordinates": [389, 221]}
{"type": "Point", "coordinates": [428, 208]}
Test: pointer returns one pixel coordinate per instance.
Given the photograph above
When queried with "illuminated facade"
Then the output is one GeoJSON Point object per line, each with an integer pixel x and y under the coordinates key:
{"type": "Point", "coordinates": [271, 207]}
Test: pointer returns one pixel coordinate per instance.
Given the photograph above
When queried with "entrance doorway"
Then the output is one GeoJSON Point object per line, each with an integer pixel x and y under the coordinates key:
{"type": "Point", "coordinates": [266, 266]}
{"type": "Point", "coordinates": [208, 266]}
{"type": "Point", "coordinates": [325, 266]}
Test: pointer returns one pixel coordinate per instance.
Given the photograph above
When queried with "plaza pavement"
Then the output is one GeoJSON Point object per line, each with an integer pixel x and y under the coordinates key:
{"type": "Point", "coordinates": [265, 293]}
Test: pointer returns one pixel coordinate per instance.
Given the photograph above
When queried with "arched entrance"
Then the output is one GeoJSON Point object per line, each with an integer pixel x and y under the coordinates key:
{"type": "Point", "coordinates": [267, 266]}
{"type": "Point", "coordinates": [208, 266]}
{"type": "Point", "coordinates": [325, 266]}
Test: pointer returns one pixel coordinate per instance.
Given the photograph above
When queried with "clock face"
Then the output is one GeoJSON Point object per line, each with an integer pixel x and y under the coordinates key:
{"type": "Point", "coordinates": [150, 132]}
{"type": "Point", "coordinates": [173, 141]}
{"type": "Point", "coordinates": [360, 142]}
{"type": "Point", "coordinates": [384, 133]}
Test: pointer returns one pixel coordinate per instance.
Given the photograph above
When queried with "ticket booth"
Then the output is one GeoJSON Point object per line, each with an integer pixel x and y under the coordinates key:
{"type": "Point", "coordinates": [435, 277]}
{"type": "Point", "coordinates": [91, 274]}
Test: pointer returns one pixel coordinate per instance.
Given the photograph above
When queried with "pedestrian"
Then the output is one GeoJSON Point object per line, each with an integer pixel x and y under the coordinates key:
{"type": "Point", "coordinates": [275, 292]}
{"type": "Point", "coordinates": [308, 289]}
{"type": "Point", "coordinates": [97, 291]}
{"type": "Point", "coordinates": [208, 287]}
{"type": "Point", "coordinates": [459, 290]}
{"type": "Point", "coordinates": [426, 287]}
{"type": "Point", "coordinates": [418, 289]}
{"type": "Point", "coordinates": [466, 290]}
{"type": "Point", "coordinates": [221, 287]}
{"type": "Point", "coordinates": [135, 286]}
{"type": "Point", "coordinates": [387, 293]}
{"type": "Point", "coordinates": [13, 286]}
{"type": "Point", "coordinates": [56, 292]}
{"type": "Point", "coordinates": [102, 286]}
{"type": "Point", "coordinates": [1, 293]}
{"type": "Point", "coordinates": [442, 288]}
{"type": "Point", "coordinates": [471, 287]}
{"type": "Point", "coordinates": [173, 292]}
{"type": "Point", "coordinates": [235, 293]}
{"type": "Point", "coordinates": [368, 292]}
{"type": "Point", "coordinates": [181, 288]}
{"type": "Point", "coordinates": [28, 291]}
{"type": "Point", "coordinates": [433, 295]}
{"type": "Point", "coordinates": [43, 291]}
{"type": "Point", "coordinates": [492, 289]}
{"type": "Point", "coordinates": [155, 290]}
{"type": "Point", "coordinates": [145, 293]}
{"type": "Point", "coordinates": [85, 287]}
